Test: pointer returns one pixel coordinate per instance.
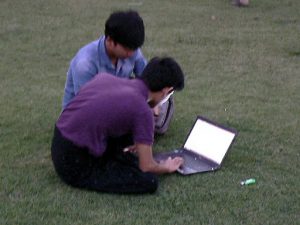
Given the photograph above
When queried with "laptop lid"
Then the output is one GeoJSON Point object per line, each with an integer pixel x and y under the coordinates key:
{"type": "Point", "coordinates": [209, 139]}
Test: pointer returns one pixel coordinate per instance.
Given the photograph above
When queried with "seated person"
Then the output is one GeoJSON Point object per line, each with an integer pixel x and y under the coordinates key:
{"type": "Point", "coordinates": [117, 52]}
{"type": "Point", "coordinates": [103, 138]}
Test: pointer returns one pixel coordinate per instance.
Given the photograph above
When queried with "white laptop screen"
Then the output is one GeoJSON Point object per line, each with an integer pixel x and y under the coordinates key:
{"type": "Point", "coordinates": [209, 140]}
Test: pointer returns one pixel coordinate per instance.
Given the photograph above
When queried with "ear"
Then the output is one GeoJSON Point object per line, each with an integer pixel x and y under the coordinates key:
{"type": "Point", "coordinates": [167, 90]}
{"type": "Point", "coordinates": [110, 42]}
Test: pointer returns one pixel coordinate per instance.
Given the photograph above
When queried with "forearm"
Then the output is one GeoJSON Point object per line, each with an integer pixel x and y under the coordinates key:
{"type": "Point", "coordinates": [157, 168]}
{"type": "Point", "coordinates": [148, 164]}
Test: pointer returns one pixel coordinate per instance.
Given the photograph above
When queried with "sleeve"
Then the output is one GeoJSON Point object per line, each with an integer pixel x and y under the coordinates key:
{"type": "Point", "coordinates": [140, 63]}
{"type": "Point", "coordinates": [82, 72]}
{"type": "Point", "coordinates": [143, 131]}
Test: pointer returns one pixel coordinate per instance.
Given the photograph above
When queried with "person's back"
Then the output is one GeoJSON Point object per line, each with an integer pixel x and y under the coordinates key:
{"type": "Point", "coordinates": [116, 106]}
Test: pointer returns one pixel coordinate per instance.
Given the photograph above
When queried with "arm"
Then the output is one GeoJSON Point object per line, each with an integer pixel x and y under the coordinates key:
{"type": "Point", "coordinates": [140, 63]}
{"type": "Point", "coordinates": [78, 74]}
{"type": "Point", "coordinates": [148, 164]}
{"type": "Point", "coordinates": [82, 72]}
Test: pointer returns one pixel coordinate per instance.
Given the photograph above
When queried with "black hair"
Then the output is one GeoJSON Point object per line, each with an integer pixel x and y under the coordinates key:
{"type": "Point", "coordinates": [163, 72]}
{"type": "Point", "coordinates": [126, 28]}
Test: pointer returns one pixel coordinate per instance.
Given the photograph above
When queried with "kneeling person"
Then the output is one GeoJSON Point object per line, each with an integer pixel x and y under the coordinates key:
{"type": "Point", "coordinates": [108, 115]}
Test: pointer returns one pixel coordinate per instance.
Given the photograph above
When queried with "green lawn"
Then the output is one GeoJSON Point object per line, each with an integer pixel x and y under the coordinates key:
{"type": "Point", "coordinates": [242, 70]}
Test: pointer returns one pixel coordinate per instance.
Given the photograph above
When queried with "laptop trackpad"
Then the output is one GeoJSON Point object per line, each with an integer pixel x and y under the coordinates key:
{"type": "Point", "coordinates": [194, 164]}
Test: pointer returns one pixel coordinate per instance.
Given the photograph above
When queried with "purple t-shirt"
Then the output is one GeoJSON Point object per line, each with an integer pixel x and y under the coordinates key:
{"type": "Point", "coordinates": [105, 107]}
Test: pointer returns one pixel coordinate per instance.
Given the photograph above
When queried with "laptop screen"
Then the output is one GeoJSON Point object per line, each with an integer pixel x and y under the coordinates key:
{"type": "Point", "coordinates": [209, 140]}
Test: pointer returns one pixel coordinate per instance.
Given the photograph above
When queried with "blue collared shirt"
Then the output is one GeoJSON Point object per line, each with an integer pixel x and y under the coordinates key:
{"type": "Point", "coordinates": [93, 59]}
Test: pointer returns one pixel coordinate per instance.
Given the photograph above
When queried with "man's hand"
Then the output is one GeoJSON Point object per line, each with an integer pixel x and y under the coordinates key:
{"type": "Point", "coordinates": [148, 164]}
{"type": "Point", "coordinates": [172, 164]}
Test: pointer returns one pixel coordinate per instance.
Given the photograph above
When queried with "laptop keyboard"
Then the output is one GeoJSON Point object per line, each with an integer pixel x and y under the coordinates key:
{"type": "Point", "coordinates": [192, 163]}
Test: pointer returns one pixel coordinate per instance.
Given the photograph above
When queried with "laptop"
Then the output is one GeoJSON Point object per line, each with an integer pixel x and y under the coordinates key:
{"type": "Point", "coordinates": [204, 149]}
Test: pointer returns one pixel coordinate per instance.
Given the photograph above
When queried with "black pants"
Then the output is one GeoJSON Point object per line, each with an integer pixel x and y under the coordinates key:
{"type": "Point", "coordinates": [115, 171]}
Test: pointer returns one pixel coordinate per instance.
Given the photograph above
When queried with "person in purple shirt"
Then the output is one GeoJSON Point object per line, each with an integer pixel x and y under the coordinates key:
{"type": "Point", "coordinates": [117, 52]}
{"type": "Point", "coordinates": [103, 138]}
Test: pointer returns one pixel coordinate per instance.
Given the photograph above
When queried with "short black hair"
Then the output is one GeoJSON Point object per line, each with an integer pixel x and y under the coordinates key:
{"type": "Point", "coordinates": [126, 28]}
{"type": "Point", "coordinates": [163, 72]}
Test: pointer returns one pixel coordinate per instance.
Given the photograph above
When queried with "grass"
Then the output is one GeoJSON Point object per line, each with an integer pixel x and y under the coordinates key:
{"type": "Point", "coordinates": [242, 70]}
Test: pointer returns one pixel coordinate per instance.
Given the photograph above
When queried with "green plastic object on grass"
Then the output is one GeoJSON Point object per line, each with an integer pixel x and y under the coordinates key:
{"type": "Point", "coordinates": [248, 181]}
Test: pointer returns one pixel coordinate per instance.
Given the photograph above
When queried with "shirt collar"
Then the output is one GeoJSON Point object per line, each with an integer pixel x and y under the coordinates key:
{"type": "Point", "coordinates": [105, 61]}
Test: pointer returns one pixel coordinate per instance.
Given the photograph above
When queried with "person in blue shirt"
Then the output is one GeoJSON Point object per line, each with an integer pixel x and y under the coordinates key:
{"type": "Point", "coordinates": [117, 52]}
